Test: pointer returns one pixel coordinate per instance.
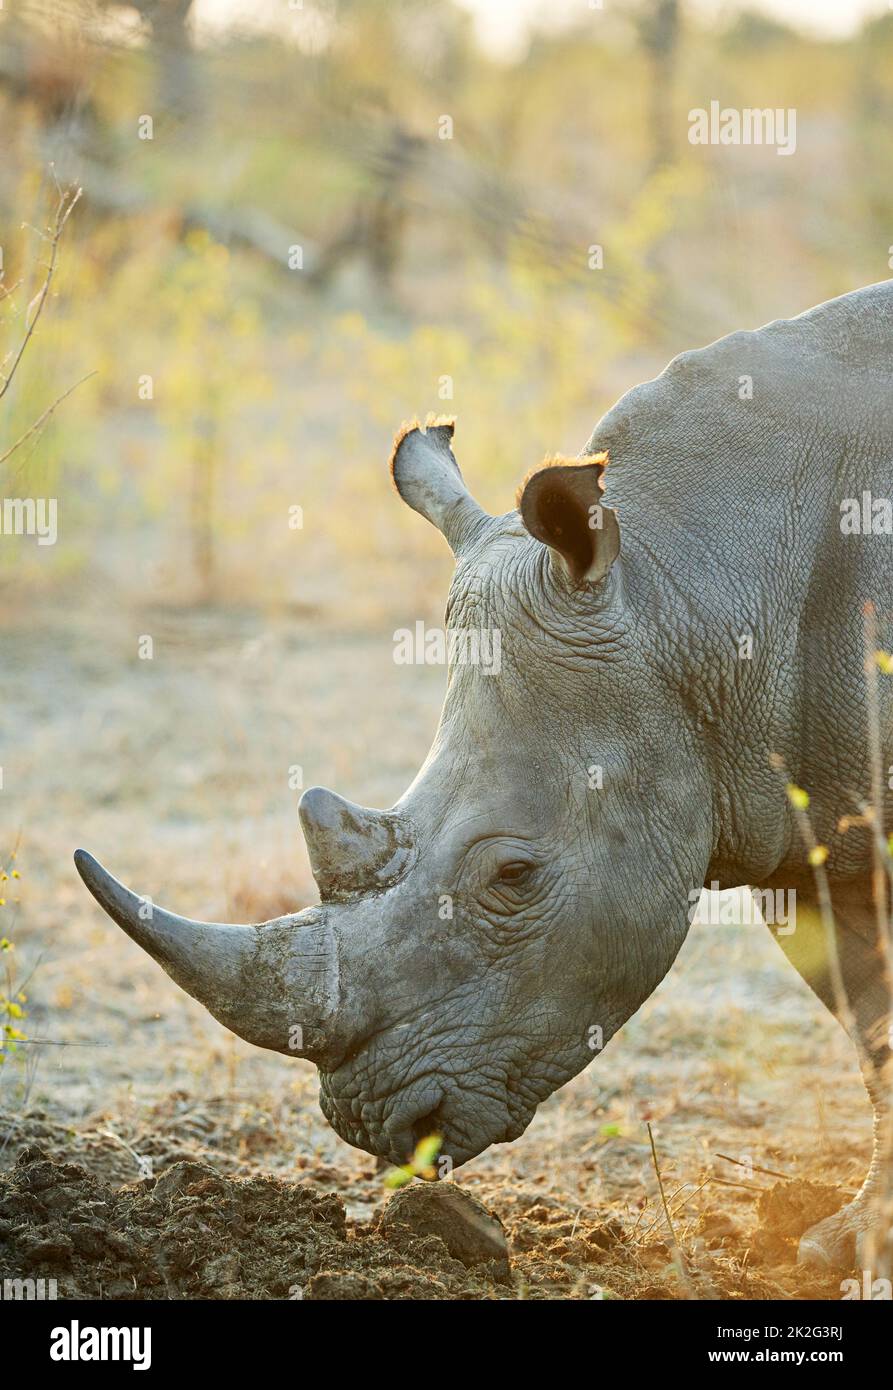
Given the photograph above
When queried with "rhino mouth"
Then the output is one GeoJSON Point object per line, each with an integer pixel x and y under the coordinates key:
{"type": "Point", "coordinates": [389, 1131]}
{"type": "Point", "coordinates": [398, 1148]}
{"type": "Point", "coordinates": [391, 1127]}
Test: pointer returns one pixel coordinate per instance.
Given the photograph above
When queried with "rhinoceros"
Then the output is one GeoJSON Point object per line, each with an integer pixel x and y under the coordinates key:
{"type": "Point", "coordinates": [682, 632]}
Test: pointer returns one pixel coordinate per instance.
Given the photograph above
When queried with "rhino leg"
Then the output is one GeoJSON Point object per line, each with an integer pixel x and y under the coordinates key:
{"type": "Point", "coordinates": [859, 1235]}
{"type": "Point", "coordinates": [860, 1231]}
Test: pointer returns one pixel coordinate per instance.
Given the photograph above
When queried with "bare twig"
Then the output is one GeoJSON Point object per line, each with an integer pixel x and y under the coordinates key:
{"type": "Point", "coordinates": [878, 1250]}
{"type": "Point", "coordinates": [754, 1167]}
{"type": "Point", "coordinates": [140, 1159]}
{"type": "Point", "coordinates": [66, 205]}
{"type": "Point", "coordinates": [673, 1195]}
{"type": "Point", "coordinates": [7, 290]}
{"type": "Point", "coordinates": [41, 419]}
{"type": "Point", "coordinates": [746, 1186]}
{"type": "Point", "coordinates": [826, 910]}
{"type": "Point", "coordinates": [678, 1256]}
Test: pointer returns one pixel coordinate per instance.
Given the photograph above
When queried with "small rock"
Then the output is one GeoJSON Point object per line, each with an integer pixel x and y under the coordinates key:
{"type": "Point", "coordinates": [469, 1231]}
{"type": "Point", "coordinates": [187, 1179]}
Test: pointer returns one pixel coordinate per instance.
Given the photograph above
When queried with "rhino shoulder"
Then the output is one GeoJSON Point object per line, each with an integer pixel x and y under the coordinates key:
{"type": "Point", "coordinates": [832, 361]}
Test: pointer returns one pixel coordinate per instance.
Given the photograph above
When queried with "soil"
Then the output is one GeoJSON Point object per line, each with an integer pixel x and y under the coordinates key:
{"type": "Point", "coordinates": [194, 1233]}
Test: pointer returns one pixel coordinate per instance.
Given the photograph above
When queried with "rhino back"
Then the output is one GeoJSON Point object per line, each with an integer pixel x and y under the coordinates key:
{"type": "Point", "coordinates": [728, 472]}
{"type": "Point", "coordinates": [739, 452]}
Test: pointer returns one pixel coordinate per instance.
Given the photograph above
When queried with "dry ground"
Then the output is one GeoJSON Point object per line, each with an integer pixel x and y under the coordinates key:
{"type": "Point", "coordinates": [175, 773]}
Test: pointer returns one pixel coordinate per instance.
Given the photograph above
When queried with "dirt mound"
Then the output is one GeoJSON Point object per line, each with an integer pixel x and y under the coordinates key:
{"type": "Point", "coordinates": [786, 1211]}
{"type": "Point", "coordinates": [192, 1233]}
{"type": "Point", "coordinates": [471, 1233]}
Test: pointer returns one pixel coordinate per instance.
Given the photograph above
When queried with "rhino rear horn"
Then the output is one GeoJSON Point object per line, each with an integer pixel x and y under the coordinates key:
{"type": "Point", "coordinates": [352, 849]}
{"type": "Point", "coordinates": [561, 506]}
{"type": "Point", "coordinates": [427, 477]}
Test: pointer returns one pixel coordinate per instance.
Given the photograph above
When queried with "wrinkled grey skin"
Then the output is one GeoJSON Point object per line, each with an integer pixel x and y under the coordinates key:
{"type": "Point", "coordinates": [569, 900]}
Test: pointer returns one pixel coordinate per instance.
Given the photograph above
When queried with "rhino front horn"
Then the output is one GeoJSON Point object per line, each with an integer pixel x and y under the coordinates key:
{"type": "Point", "coordinates": [352, 850]}
{"type": "Point", "coordinates": [275, 985]}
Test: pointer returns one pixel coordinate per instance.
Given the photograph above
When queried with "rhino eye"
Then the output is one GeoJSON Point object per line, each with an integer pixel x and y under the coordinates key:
{"type": "Point", "coordinates": [516, 872]}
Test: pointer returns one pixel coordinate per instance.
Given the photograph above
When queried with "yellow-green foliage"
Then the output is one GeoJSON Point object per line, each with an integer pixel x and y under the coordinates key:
{"type": "Point", "coordinates": [421, 1165]}
{"type": "Point", "coordinates": [267, 395]}
{"type": "Point", "coordinates": [12, 1012]}
{"type": "Point", "coordinates": [265, 414]}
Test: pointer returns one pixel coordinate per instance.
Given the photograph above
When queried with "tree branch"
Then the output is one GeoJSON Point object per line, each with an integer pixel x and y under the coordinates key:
{"type": "Point", "coordinates": [45, 416]}
{"type": "Point", "coordinates": [67, 201]}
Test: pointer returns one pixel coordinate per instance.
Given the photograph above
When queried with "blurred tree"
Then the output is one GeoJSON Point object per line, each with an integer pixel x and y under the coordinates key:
{"type": "Point", "coordinates": [170, 41]}
{"type": "Point", "coordinates": [754, 31]}
{"type": "Point", "coordinates": [872, 96]}
{"type": "Point", "coordinates": [658, 26]}
{"type": "Point", "coordinates": [375, 227]}
{"type": "Point", "coordinates": [47, 74]}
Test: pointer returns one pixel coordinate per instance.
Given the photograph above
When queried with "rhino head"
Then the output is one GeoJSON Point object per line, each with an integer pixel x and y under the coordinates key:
{"type": "Point", "coordinates": [476, 945]}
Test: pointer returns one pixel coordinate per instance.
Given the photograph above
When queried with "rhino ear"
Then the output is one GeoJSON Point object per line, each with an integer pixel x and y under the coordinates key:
{"type": "Point", "coordinates": [560, 504]}
{"type": "Point", "coordinates": [427, 477]}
